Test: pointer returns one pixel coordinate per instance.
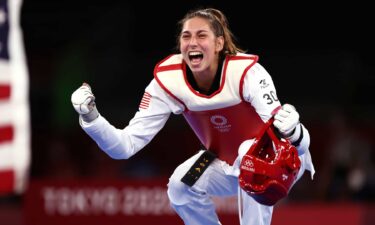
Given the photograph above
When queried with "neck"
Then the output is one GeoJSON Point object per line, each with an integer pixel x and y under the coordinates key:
{"type": "Point", "coordinates": [206, 86]}
{"type": "Point", "coordinates": [205, 78]}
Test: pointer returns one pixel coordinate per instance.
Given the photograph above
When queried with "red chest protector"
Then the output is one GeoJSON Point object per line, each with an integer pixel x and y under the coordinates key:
{"type": "Point", "coordinates": [223, 120]}
{"type": "Point", "coordinates": [223, 130]}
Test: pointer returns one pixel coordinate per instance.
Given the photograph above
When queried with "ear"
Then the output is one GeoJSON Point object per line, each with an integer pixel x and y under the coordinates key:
{"type": "Point", "coordinates": [219, 43]}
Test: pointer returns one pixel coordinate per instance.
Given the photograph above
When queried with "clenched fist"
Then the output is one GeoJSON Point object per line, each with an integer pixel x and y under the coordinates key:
{"type": "Point", "coordinates": [286, 120]}
{"type": "Point", "coordinates": [83, 102]}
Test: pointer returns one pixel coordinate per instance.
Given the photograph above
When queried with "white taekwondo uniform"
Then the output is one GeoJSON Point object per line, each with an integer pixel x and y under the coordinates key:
{"type": "Point", "coordinates": [225, 122]}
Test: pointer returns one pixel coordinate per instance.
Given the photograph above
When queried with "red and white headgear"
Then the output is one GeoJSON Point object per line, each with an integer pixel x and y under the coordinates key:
{"type": "Point", "coordinates": [270, 167]}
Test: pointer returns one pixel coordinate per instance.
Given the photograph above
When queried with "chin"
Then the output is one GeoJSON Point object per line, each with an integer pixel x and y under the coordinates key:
{"type": "Point", "coordinates": [196, 71]}
{"type": "Point", "coordinates": [196, 68]}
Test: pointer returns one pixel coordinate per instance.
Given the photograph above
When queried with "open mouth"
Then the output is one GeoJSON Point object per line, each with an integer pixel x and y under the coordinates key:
{"type": "Point", "coordinates": [195, 57]}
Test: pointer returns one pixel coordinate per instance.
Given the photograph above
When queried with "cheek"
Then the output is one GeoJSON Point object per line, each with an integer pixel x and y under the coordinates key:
{"type": "Point", "coordinates": [183, 51]}
{"type": "Point", "coordinates": [183, 46]}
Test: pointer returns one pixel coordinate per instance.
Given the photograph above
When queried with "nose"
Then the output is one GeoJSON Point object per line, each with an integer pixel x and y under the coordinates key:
{"type": "Point", "coordinates": [193, 41]}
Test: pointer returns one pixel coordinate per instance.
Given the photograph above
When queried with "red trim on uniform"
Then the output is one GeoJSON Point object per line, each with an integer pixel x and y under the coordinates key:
{"type": "Point", "coordinates": [4, 91]}
{"type": "Point", "coordinates": [168, 92]}
{"type": "Point", "coordinates": [6, 181]}
{"type": "Point", "coordinates": [240, 57]}
{"type": "Point", "coordinates": [6, 133]}
{"type": "Point", "coordinates": [275, 110]}
{"type": "Point", "coordinates": [170, 67]}
{"type": "Point", "coordinates": [242, 81]}
{"type": "Point", "coordinates": [217, 91]}
{"type": "Point", "coordinates": [182, 67]}
{"type": "Point", "coordinates": [157, 69]}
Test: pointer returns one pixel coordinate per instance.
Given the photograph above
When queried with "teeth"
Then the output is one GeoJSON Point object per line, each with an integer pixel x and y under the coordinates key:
{"type": "Point", "coordinates": [194, 53]}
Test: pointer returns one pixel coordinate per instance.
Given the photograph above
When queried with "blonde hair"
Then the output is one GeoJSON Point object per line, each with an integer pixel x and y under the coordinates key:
{"type": "Point", "coordinates": [218, 23]}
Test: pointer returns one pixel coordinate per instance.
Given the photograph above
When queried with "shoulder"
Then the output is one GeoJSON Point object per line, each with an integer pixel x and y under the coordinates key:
{"type": "Point", "coordinates": [257, 74]}
{"type": "Point", "coordinates": [160, 95]}
{"type": "Point", "coordinates": [167, 62]}
{"type": "Point", "coordinates": [244, 56]}
{"type": "Point", "coordinates": [257, 68]}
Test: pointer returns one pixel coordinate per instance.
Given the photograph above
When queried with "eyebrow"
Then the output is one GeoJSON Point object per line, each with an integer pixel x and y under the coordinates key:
{"type": "Point", "coordinates": [199, 31]}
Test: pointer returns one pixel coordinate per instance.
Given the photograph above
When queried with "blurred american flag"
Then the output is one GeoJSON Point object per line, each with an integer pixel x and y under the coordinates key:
{"type": "Point", "coordinates": [14, 106]}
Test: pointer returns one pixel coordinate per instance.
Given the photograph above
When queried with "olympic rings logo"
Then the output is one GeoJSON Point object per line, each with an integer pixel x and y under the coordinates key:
{"type": "Point", "coordinates": [249, 163]}
{"type": "Point", "coordinates": [218, 120]}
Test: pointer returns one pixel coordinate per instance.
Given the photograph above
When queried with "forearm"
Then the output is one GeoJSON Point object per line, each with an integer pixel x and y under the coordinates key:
{"type": "Point", "coordinates": [300, 138]}
{"type": "Point", "coordinates": [124, 143]}
{"type": "Point", "coordinates": [108, 138]}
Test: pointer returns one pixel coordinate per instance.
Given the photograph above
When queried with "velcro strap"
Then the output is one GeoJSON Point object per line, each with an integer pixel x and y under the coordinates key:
{"type": "Point", "coordinates": [298, 141]}
{"type": "Point", "coordinates": [198, 168]}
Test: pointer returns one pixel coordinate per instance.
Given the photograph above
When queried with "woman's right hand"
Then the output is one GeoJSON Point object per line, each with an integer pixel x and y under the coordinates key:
{"type": "Point", "coordinates": [83, 101]}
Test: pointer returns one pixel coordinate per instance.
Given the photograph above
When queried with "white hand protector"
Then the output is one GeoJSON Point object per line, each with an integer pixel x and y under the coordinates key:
{"type": "Point", "coordinates": [83, 99]}
{"type": "Point", "coordinates": [286, 120]}
{"type": "Point", "coordinates": [83, 102]}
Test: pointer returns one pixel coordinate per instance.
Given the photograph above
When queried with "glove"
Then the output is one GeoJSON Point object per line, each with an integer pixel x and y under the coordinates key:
{"type": "Point", "coordinates": [286, 120]}
{"type": "Point", "coordinates": [84, 103]}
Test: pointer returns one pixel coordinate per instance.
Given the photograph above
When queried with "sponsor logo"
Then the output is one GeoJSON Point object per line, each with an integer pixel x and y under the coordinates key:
{"type": "Point", "coordinates": [220, 123]}
{"type": "Point", "coordinates": [263, 83]}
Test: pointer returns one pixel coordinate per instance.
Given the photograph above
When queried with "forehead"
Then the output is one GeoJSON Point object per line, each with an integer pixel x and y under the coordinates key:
{"type": "Point", "coordinates": [196, 24]}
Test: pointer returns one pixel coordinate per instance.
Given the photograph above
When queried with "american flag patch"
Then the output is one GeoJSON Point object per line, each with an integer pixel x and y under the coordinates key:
{"type": "Point", "coordinates": [145, 102]}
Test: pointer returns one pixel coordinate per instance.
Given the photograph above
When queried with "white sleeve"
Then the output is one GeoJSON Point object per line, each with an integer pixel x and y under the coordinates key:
{"type": "Point", "coordinates": [147, 122]}
{"type": "Point", "coordinates": [301, 139]}
{"type": "Point", "coordinates": [259, 90]}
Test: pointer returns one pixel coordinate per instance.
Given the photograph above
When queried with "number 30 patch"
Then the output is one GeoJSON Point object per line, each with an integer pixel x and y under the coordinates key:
{"type": "Point", "coordinates": [270, 97]}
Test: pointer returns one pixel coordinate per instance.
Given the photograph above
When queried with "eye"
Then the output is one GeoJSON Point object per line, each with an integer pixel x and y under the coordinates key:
{"type": "Point", "coordinates": [185, 36]}
{"type": "Point", "coordinates": [201, 36]}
